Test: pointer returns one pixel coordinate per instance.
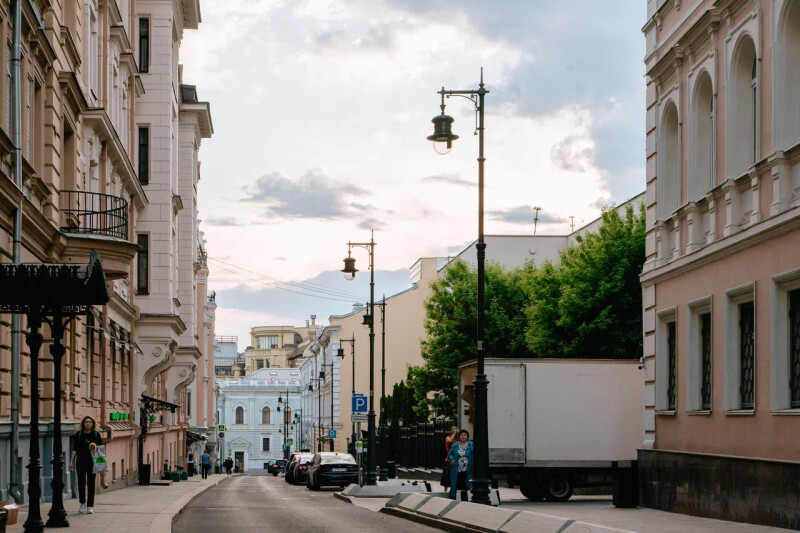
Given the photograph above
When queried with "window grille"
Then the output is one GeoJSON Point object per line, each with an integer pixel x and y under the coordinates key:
{"type": "Point", "coordinates": [705, 354]}
{"type": "Point", "coordinates": [747, 354]}
{"type": "Point", "coordinates": [672, 362]}
{"type": "Point", "coordinates": [794, 347]}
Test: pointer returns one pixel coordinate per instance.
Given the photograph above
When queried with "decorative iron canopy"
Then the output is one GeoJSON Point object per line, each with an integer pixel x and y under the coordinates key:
{"type": "Point", "coordinates": [53, 287]}
{"type": "Point", "coordinates": [154, 405]}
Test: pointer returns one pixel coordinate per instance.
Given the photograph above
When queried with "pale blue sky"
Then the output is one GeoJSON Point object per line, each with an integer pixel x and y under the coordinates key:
{"type": "Point", "coordinates": [321, 109]}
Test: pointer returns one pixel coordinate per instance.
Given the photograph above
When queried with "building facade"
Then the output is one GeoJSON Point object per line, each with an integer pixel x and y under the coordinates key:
{"type": "Point", "coordinates": [261, 415]}
{"type": "Point", "coordinates": [721, 282]}
{"type": "Point", "coordinates": [76, 175]}
{"type": "Point", "coordinates": [276, 346]}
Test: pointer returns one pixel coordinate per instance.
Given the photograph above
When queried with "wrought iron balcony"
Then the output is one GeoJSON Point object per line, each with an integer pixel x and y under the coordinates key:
{"type": "Point", "coordinates": [95, 214]}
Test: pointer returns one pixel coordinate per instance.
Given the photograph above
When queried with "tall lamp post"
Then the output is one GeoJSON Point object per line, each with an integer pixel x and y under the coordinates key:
{"type": "Point", "coordinates": [340, 355]}
{"type": "Point", "coordinates": [349, 271]}
{"type": "Point", "coordinates": [443, 135]}
{"type": "Point", "coordinates": [286, 419]}
{"type": "Point", "coordinates": [384, 430]}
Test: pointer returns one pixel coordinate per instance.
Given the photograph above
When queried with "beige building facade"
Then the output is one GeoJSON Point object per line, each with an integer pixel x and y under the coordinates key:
{"type": "Point", "coordinates": [276, 346]}
{"type": "Point", "coordinates": [91, 76]}
{"type": "Point", "coordinates": [721, 283]}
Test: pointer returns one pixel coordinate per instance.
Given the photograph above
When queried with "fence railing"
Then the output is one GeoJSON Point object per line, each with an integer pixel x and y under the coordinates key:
{"type": "Point", "coordinates": [421, 445]}
{"type": "Point", "coordinates": [94, 213]}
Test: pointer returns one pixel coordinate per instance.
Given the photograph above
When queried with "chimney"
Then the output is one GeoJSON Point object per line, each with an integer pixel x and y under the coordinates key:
{"type": "Point", "coordinates": [306, 323]}
{"type": "Point", "coordinates": [313, 319]}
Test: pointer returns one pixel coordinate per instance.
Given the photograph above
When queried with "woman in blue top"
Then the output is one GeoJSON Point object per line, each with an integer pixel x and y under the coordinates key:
{"type": "Point", "coordinates": [460, 458]}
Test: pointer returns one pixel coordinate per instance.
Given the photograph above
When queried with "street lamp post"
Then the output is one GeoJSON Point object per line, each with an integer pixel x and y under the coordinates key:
{"type": "Point", "coordinates": [349, 271]}
{"type": "Point", "coordinates": [286, 420]}
{"type": "Point", "coordinates": [340, 354]}
{"type": "Point", "coordinates": [443, 135]}
{"type": "Point", "coordinates": [384, 471]}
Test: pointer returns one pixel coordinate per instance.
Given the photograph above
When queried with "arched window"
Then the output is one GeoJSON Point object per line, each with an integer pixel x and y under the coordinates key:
{"type": "Point", "coordinates": [701, 173]}
{"type": "Point", "coordinates": [669, 163]}
{"type": "Point", "coordinates": [786, 104]}
{"type": "Point", "coordinates": [266, 415]}
{"type": "Point", "coordinates": [240, 415]}
{"type": "Point", "coordinates": [742, 127]}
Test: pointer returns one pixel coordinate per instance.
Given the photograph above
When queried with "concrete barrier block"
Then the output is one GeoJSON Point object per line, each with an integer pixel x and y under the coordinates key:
{"type": "Point", "coordinates": [397, 499]}
{"type": "Point", "coordinates": [478, 516]}
{"type": "Point", "coordinates": [414, 501]}
{"type": "Point", "coordinates": [528, 522]}
{"type": "Point", "coordinates": [436, 507]}
{"type": "Point", "coordinates": [351, 490]}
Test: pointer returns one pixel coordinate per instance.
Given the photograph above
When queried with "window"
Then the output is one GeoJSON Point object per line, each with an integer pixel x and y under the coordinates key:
{"type": "Point", "coordinates": [266, 342]}
{"type": "Point", "coordinates": [668, 164]}
{"type": "Point", "coordinates": [672, 366]}
{"type": "Point", "coordinates": [188, 403]}
{"type": "Point", "coordinates": [265, 444]}
{"type": "Point", "coordinates": [666, 360]}
{"type": "Point", "coordinates": [143, 264]}
{"type": "Point", "coordinates": [742, 110]}
{"type": "Point", "coordinates": [698, 355]}
{"type": "Point", "coordinates": [28, 116]}
{"type": "Point", "coordinates": [747, 354]}
{"type": "Point", "coordinates": [794, 348]}
{"type": "Point", "coordinates": [144, 155]}
{"type": "Point", "coordinates": [9, 56]}
{"type": "Point", "coordinates": [705, 359]}
{"type": "Point", "coordinates": [144, 45]}
{"type": "Point", "coordinates": [266, 415]}
{"type": "Point", "coordinates": [259, 364]}
{"type": "Point", "coordinates": [240, 415]}
{"type": "Point", "coordinates": [701, 152]}
{"type": "Point", "coordinates": [786, 50]}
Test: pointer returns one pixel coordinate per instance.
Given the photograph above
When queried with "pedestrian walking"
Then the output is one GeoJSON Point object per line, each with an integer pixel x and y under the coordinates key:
{"type": "Point", "coordinates": [87, 439]}
{"type": "Point", "coordinates": [448, 443]}
{"type": "Point", "coordinates": [190, 464]}
{"type": "Point", "coordinates": [228, 464]}
{"type": "Point", "coordinates": [460, 458]}
{"type": "Point", "coordinates": [236, 467]}
{"type": "Point", "coordinates": [205, 464]}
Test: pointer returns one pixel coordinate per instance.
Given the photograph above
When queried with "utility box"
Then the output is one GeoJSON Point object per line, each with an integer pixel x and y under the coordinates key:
{"type": "Point", "coordinates": [558, 424]}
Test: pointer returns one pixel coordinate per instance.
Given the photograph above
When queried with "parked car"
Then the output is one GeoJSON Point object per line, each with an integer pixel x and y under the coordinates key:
{"type": "Point", "coordinates": [277, 467]}
{"type": "Point", "coordinates": [297, 467]}
{"type": "Point", "coordinates": [331, 468]}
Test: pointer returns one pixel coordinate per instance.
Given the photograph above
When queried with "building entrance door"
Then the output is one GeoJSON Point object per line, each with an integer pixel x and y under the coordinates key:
{"type": "Point", "coordinates": [239, 456]}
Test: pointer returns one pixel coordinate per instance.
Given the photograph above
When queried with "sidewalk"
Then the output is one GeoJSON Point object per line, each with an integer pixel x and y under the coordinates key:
{"type": "Point", "coordinates": [134, 509]}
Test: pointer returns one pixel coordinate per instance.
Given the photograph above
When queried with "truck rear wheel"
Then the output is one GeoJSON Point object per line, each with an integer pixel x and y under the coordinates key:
{"type": "Point", "coordinates": [528, 489]}
{"type": "Point", "coordinates": [558, 486]}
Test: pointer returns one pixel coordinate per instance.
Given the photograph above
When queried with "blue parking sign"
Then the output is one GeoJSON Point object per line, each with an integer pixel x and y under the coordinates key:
{"type": "Point", "coordinates": [359, 403]}
{"type": "Point", "coordinates": [332, 434]}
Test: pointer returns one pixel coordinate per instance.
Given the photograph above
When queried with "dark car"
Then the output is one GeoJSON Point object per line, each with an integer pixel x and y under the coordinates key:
{"type": "Point", "coordinates": [331, 468]}
{"type": "Point", "coordinates": [297, 467]}
{"type": "Point", "coordinates": [277, 467]}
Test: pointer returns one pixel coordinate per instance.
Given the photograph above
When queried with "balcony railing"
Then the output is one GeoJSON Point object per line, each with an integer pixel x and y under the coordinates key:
{"type": "Point", "coordinates": [94, 213]}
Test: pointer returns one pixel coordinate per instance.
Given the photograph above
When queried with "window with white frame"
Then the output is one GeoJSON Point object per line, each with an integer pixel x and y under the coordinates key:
{"type": "Point", "coordinates": [239, 415]}
{"type": "Point", "coordinates": [739, 349]}
{"type": "Point", "coordinates": [266, 415]}
{"type": "Point", "coordinates": [701, 176]}
{"type": "Point", "coordinates": [267, 341]}
{"type": "Point", "coordinates": [786, 50]}
{"type": "Point", "coordinates": [698, 355]}
{"type": "Point", "coordinates": [265, 444]}
{"type": "Point", "coordinates": [785, 342]}
{"type": "Point", "coordinates": [742, 115]}
{"type": "Point", "coordinates": [667, 360]}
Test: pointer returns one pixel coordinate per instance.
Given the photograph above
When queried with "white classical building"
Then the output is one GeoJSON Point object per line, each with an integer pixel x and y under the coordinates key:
{"type": "Point", "coordinates": [320, 373]}
{"type": "Point", "coordinates": [257, 421]}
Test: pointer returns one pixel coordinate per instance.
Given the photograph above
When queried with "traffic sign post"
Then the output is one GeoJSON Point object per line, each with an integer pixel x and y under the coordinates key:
{"type": "Point", "coordinates": [359, 403]}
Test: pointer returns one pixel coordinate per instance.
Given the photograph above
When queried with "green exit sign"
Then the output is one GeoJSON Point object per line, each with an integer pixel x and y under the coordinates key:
{"type": "Point", "coordinates": [119, 416]}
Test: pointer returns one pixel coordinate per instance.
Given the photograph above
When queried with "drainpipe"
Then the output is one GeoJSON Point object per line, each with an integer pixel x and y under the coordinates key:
{"type": "Point", "coordinates": [15, 477]}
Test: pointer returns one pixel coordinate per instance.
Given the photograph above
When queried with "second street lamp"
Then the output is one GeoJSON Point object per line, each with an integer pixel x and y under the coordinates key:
{"type": "Point", "coordinates": [340, 355]}
{"type": "Point", "coordinates": [349, 271]}
{"type": "Point", "coordinates": [443, 135]}
{"type": "Point", "coordinates": [383, 470]}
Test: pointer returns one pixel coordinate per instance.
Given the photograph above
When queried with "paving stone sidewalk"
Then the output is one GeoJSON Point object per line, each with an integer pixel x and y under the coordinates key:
{"type": "Point", "coordinates": [130, 510]}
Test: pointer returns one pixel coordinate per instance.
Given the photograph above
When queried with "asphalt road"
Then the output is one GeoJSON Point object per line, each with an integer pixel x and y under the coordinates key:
{"type": "Point", "coordinates": [266, 503]}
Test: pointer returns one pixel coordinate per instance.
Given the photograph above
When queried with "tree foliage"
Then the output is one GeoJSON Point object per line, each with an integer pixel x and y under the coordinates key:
{"type": "Point", "coordinates": [586, 305]}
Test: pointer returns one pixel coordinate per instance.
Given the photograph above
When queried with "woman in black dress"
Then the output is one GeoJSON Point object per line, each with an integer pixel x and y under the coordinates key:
{"type": "Point", "coordinates": [87, 439]}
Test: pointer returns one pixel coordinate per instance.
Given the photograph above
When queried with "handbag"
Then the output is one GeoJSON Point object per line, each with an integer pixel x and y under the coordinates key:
{"type": "Point", "coordinates": [445, 481]}
{"type": "Point", "coordinates": [99, 459]}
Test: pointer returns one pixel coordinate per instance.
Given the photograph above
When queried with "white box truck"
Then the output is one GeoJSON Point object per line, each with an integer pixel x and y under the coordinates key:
{"type": "Point", "coordinates": [558, 424]}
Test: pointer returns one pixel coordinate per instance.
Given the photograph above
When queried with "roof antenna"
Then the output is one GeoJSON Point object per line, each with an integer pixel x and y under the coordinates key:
{"type": "Point", "coordinates": [536, 218]}
{"type": "Point", "coordinates": [572, 224]}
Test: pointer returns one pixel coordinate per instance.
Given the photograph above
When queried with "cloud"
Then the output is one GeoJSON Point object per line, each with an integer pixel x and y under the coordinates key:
{"type": "Point", "coordinates": [222, 221]}
{"type": "Point", "coordinates": [573, 154]}
{"type": "Point", "coordinates": [524, 214]}
{"type": "Point", "coordinates": [314, 195]}
{"type": "Point", "coordinates": [372, 223]}
{"type": "Point", "coordinates": [450, 179]}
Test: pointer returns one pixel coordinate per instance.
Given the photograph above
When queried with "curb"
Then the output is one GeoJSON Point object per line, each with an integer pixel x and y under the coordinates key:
{"type": "Point", "coordinates": [165, 519]}
{"type": "Point", "coordinates": [432, 522]}
{"type": "Point", "coordinates": [343, 497]}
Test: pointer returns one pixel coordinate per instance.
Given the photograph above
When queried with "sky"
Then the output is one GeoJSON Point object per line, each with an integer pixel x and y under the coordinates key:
{"type": "Point", "coordinates": [321, 109]}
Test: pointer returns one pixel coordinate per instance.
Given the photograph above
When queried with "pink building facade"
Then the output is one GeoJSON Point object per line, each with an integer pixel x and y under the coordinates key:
{"type": "Point", "coordinates": [721, 283]}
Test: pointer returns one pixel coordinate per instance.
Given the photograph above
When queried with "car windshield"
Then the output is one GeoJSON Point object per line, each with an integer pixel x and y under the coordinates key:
{"type": "Point", "coordinates": [337, 458]}
{"type": "Point", "coordinates": [304, 458]}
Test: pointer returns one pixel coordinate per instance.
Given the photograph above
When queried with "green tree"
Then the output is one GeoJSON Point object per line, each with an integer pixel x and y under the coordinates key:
{"type": "Point", "coordinates": [590, 304]}
{"type": "Point", "coordinates": [450, 315]}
